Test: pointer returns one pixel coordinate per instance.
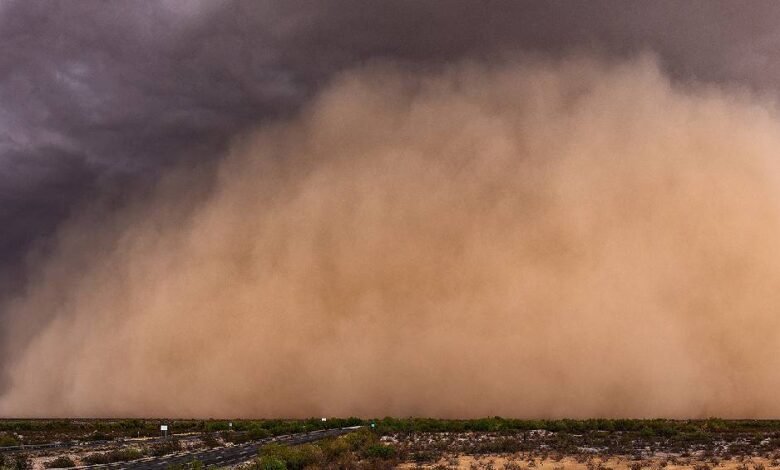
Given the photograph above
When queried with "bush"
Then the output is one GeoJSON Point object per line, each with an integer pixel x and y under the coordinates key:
{"type": "Point", "coordinates": [22, 462]}
{"type": "Point", "coordinates": [212, 426]}
{"type": "Point", "coordinates": [209, 440]}
{"type": "Point", "coordinates": [428, 456]}
{"type": "Point", "coordinates": [60, 462]}
{"type": "Point", "coordinates": [269, 462]}
{"type": "Point", "coordinates": [256, 432]}
{"type": "Point", "coordinates": [119, 455]}
{"type": "Point", "coordinates": [360, 439]}
{"type": "Point", "coordinates": [293, 458]}
{"type": "Point", "coordinates": [166, 447]}
{"type": "Point", "coordinates": [379, 451]}
{"type": "Point", "coordinates": [332, 448]}
{"type": "Point", "coordinates": [236, 437]}
{"type": "Point", "coordinates": [8, 441]}
{"type": "Point", "coordinates": [97, 458]}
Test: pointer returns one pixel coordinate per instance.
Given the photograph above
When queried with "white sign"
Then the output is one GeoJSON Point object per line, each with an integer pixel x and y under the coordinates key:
{"type": "Point", "coordinates": [324, 419]}
{"type": "Point", "coordinates": [163, 427]}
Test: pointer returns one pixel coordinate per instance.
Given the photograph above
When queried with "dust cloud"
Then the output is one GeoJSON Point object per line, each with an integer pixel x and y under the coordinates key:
{"type": "Point", "coordinates": [568, 238]}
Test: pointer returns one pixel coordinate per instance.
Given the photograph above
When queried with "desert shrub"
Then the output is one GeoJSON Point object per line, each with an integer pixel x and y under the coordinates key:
{"type": "Point", "coordinates": [209, 440]}
{"type": "Point", "coordinates": [425, 456]}
{"type": "Point", "coordinates": [119, 455]}
{"type": "Point", "coordinates": [332, 449]}
{"type": "Point", "coordinates": [360, 439]}
{"type": "Point", "coordinates": [8, 441]}
{"type": "Point", "coordinates": [97, 458]}
{"type": "Point", "coordinates": [60, 462]}
{"type": "Point", "coordinates": [165, 447]}
{"type": "Point", "coordinates": [294, 458]}
{"type": "Point", "coordinates": [499, 446]}
{"type": "Point", "coordinates": [253, 433]}
{"type": "Point", "coordinates": [123, 455]}
{"type": "Point", "coordinates": [269, 462]}
{"type": "Point", "coordinates": [379, 451]}
{"type": "Point", "coordinates": [213, 426]}
{"type": "Point", "coordinates": [256, 432]}
{"type": "Point", "coordinates": [21, 462]}
{"type": "Point", "coordinates": [237, 438]}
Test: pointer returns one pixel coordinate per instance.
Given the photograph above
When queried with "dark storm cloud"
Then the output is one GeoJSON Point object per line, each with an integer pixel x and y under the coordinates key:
{"type": "Point", "coordinates": [97, 93]}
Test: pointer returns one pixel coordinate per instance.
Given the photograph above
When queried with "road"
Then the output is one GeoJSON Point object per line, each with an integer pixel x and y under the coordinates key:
{"type": "Point", "coordinates": [221, 456]}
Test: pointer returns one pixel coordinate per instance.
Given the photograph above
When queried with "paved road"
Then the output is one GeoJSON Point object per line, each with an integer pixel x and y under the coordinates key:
{"type": "Point", "coordinates": [221, 456]}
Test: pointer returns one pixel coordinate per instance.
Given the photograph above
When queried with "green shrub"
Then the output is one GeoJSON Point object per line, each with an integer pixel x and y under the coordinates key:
{"type": "Point", "coordinates": [269, 462]}
{"type": "Point", "coordinates": [8, 441]}
{"type": "Point", "coordinates": [332, 448]}
{"type": "Point", "coordinates": [379, 451]}
{"type": "Point", "coordinates": [426, 456]}
{"type": "Point", "coordinates": [97, 458]}
{"type": "Point", "coordinates": [294, 458]}
{"type": "Point", "coordinates": [212, 426]}
{"type": "Point", "coordinates": [119, 455]}
{"type": "Point", "coordinates": [60, 462]}
{"type": "Point", "coordinates": [360, 439]}
{"type": "Point", "coordinates": [256, 432]}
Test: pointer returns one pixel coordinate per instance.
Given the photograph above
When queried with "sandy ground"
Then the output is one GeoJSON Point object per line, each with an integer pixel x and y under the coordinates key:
{"type": "Point", "coordinates": [516, 462]}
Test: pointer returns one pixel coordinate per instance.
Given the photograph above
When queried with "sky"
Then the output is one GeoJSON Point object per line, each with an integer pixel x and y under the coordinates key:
{"type": "Point", "coordinates": [173, 139]}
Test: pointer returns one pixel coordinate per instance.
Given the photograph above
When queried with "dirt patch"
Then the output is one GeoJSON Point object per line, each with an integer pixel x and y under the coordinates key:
{"type": "Point", "coordinates": [520, 461]}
